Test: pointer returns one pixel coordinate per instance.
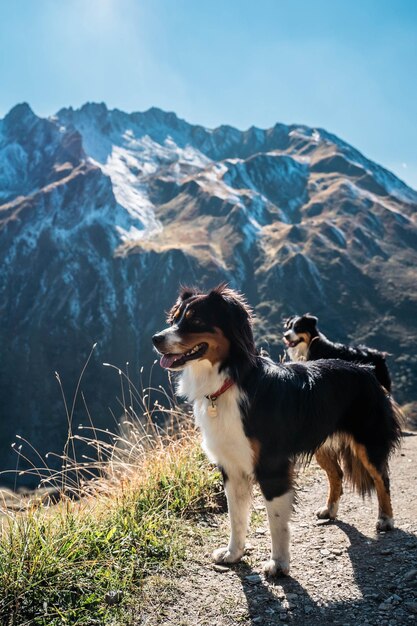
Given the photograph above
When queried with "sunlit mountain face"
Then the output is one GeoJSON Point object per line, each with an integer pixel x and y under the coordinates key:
{"type": "Point", "coordinates": [103, 214]}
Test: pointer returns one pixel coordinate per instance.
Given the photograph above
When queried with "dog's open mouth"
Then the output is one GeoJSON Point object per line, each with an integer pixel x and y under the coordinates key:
{"type": "Point", "coordinates": [292, 344]}
{"type": "Point", "coordinates": [170, 361]}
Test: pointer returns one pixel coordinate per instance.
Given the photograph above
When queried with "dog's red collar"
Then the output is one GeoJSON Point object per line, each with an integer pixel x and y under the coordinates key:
{"type": "Point", "coordinates": [226, 385]}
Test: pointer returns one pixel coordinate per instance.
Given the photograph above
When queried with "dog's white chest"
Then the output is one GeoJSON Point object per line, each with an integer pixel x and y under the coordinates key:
{"type": "Point", "coordinates": [298, 353]}
{"type": "Point", "coordinates": [224, 439]}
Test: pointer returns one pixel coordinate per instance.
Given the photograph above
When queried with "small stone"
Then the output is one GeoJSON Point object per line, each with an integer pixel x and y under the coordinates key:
{"type": "Point", "coordinates": [253, 579]}
{"type": "Point", "coordinates": [221, 568]}
{"type": "Point", "coordinates": [292, 596]}
{"type": "Point", "coordinates": [113, 597]}
{"type": "Point", "coordinates": [337, 551]}
{"type": "Point", "coordinates": [325, 552]}
{"type": "Point", "coordinates": [384, 607]}
{"type": "Point", "coordinates": [280, 596]}
{"type": "Point", "coordinates": [410, 575]}
{"type": "Point", "coordinates": [385, 551]}
{"type": "Point", "coordinates": [261, 531]}
{"type": "Point", "coordinates": [373, 596]}
{"type": "Point", "coordinates": [308, 610]}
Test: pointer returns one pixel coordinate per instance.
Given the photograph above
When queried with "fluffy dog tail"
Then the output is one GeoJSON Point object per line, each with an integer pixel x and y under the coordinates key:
{"type": "Point", "coordinates": [355, 472]}
{"type": "Point", "coordinates": [351, 457]}
{"type": "Point", "coordinates": [400, 419]}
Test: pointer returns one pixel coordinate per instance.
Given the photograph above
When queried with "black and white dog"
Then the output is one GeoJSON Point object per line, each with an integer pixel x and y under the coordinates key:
{"type": "Point", "coordinates": [305, 342]}
{"type": "Point", "coordinates": [257, 417]}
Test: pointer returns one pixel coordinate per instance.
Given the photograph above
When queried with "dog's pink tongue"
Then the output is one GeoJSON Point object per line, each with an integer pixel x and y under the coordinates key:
{"type": "Point", "coordinates": [168, 359]}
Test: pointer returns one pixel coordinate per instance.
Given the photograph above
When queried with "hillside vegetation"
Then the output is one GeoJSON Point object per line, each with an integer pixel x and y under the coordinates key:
{"type": "Point", "coordinates": [82, 562]}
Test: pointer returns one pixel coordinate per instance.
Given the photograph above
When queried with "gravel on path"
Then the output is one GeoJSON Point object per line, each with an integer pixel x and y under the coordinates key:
{"type": "Point", "coordinates": [342, 573]}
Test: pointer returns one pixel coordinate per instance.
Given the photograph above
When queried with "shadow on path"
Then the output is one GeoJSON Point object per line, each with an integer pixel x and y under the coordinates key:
{"type": "Point", "coordinates": [381, 596]}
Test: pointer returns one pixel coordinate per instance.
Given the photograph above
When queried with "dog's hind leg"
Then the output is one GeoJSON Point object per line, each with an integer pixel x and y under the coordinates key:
{"type": "Point", "coordinates": [381, 480]}
{"type": "Point", "coordinates": [238, 490]}
{"type": "Point", "coordinates": [327, 459]}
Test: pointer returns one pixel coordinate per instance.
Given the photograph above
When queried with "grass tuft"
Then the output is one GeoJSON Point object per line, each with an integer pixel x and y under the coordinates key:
{"type": "Point", "coordinates": [79, 562]}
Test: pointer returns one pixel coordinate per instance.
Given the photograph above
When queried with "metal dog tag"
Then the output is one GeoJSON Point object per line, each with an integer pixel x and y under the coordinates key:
{"type": "Point", "coordinates": [212, 409]}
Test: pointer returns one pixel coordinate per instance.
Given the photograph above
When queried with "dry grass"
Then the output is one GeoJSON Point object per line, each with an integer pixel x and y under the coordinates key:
{"type": "Point", "coordinates": [80, 562]}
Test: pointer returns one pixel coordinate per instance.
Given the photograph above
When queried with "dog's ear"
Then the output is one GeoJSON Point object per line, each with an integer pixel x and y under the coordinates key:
{"type": "Point", "coordinates": [234, 299]}
{"type": "Point", "coordinates": [222, 291]}
{"type": "Point", "coordinates": [287, 321]}
{"type": "Point", "coordinates": [312, 319]}
{"type": "Point", "coordinates": [184, 294]}
{"type": "Point", "coordinates": [187, 292]}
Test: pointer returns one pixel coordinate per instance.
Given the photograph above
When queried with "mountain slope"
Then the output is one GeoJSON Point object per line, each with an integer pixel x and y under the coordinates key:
{"type": "Point", "coordinates": [104, 213]}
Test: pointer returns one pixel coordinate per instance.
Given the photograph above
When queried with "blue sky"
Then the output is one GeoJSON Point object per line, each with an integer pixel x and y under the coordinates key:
{"type": "Point", "coordinates": [347, 66]}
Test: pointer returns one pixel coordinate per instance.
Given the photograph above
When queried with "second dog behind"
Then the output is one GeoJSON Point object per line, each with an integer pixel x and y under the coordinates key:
{"type": "Point", "coordinates": [305, 342]}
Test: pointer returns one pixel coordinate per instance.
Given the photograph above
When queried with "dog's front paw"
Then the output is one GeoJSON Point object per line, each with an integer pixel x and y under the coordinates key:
{"type": "Point", "coordinates": [275, 567]}
{"type": "Point", "coordinates": [224, 555]}
{"type": "Point", "coordinates": [327, 512]}
{"type": "Point", "coordinates": [384, 523]}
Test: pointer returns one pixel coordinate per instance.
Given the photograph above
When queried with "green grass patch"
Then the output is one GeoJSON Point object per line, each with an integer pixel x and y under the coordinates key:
{"type": "Point", "coordinates": [66, 564]}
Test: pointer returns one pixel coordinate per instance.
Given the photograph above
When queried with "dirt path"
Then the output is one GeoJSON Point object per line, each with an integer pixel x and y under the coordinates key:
{"type": "Point", "coordinates": [342, 572]}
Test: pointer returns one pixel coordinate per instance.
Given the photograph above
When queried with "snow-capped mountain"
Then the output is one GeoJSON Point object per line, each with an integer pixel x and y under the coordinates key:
{"type": "Point", "coordinates": [104, 213]}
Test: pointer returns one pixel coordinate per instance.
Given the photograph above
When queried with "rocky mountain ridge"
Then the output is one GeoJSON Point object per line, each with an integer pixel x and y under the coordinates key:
{"type": "Point", "coordinates": [103, 214]}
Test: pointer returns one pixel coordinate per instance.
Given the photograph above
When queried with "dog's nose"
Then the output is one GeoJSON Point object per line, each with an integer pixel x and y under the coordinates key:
{"type": "Point", "coordinates": [157, 339]}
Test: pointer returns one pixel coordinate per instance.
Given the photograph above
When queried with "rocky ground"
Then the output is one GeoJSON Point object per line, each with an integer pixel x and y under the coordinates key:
{"type": "Point", "coordinates": [342, 572]}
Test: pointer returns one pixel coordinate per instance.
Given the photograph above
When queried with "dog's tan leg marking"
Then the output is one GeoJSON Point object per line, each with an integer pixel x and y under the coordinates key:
{"type": "Point", "coordinates": [327, 459]}
{"type": "Point", "coordinates": [385, 515]}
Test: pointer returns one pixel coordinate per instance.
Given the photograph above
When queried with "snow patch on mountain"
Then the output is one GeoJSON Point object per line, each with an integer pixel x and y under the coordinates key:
{"type": "Point", "coordinates": [130, 157]}
{"type": "Point", "coordinates": [211, 181]}
{"type": "Point", "coordinates": [368, 196]}
{"type": "Point", "coordinates": [130, 195]}
{"type": "Point", "coordinates": [278, 179]}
